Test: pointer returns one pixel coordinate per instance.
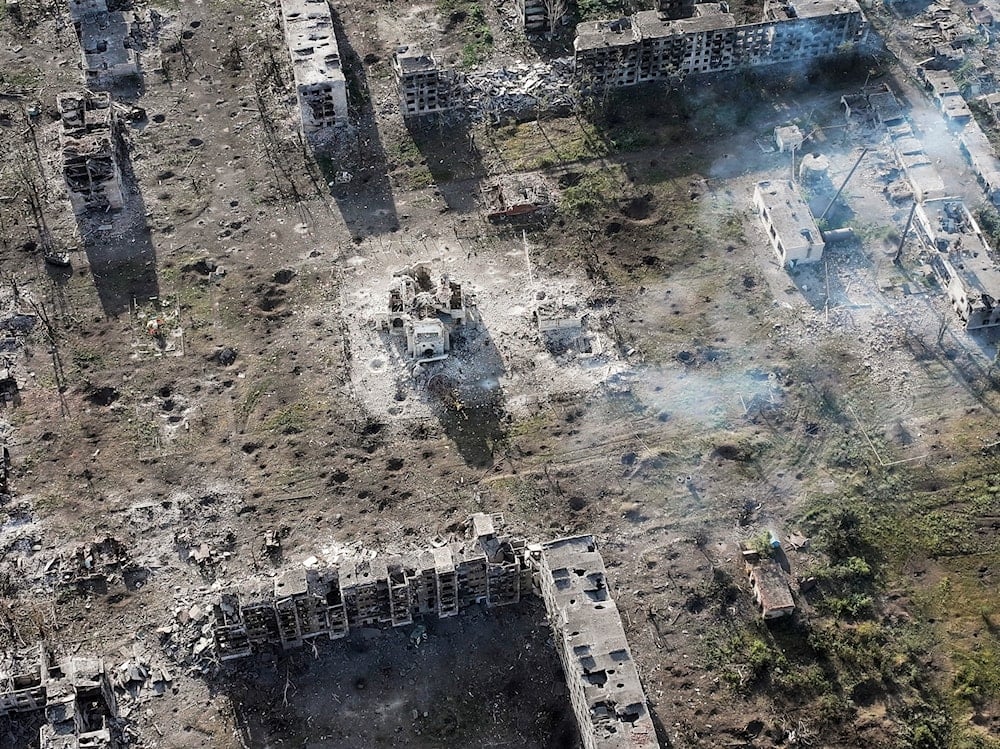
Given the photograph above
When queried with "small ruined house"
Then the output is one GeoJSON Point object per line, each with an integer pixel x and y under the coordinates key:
{"type": "Point", "coordinates": [770, 588]}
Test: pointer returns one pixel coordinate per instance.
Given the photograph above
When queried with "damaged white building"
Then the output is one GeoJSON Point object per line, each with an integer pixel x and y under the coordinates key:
{"type": "Point", "coordinates": [788, 221]}
{"type": "Point", "coordinates": [962, 261]}
{"type": "Point", "coordinates": [320, 83]}
{"type": "Point", "coordinates": [425, 311]}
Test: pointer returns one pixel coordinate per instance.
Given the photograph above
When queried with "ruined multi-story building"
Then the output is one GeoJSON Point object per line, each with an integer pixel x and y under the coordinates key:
{"type": "Point", "coordinates": [962, 261]}
{"type": "Point", "coordinates": [424, 88]}
{"type": "Point", "coordinates": [651, 45]}
{"type": "Point", "coordinates": [75, 694]}
{"type": "Point", "coordinates": [89, 145]}
{"type": "Point", "coordinates": [534, 14]}
{"type": "Point", "coordinates": [319, 76]}
{"type": "Point", "coordinates": [329, 601]}
{"type": "Point", "coordinates": [107, 48]}
{"type": "Point", "coordinates": [485, 568]}
{"type": "Point", "coordinates": [603, 681]}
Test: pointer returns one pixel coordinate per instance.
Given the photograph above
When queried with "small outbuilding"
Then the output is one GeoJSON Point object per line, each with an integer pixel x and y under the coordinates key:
{"type": "Point", "coordinates": [789, 223]}
{"type": "Point", "coordinates": [788, 138]}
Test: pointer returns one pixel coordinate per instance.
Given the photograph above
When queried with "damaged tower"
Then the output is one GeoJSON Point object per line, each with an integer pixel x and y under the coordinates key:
{"type": "Point", "coordinates": [424, 88]}
{"type": "Point", "coordinates": [89, 140]}
{"type": "Point", "coordinates": [316, 64]}
{"type": "Point", "coordinates": [426, 312]}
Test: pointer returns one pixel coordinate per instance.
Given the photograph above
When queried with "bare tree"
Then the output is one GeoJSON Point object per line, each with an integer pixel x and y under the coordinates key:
{"type": "Point", "coordinates": [555, 10]}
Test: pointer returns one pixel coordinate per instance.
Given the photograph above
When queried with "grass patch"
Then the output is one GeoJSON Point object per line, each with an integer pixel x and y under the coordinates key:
{"type": "Point", "coordinates": [467, 20]}
{"type": "Point", "coordinates": [529, 146]}
{"type": "Point", "coordinates": [595, 190]}
{"type": "Point", "coordinates": [291, 420]}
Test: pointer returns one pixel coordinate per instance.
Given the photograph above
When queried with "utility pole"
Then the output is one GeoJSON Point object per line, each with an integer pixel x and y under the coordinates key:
{"type": "Point", "coordinates": [846, 180]}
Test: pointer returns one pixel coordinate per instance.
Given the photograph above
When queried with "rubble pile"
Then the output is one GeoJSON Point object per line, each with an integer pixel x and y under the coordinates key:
{"type": "Point", "coordinates": [521, 88]}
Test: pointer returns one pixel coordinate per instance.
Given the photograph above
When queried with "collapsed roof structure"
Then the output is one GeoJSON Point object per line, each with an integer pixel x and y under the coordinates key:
{"type": "Point", "coordinates": [89, 145]}
{"type": "Point", "coordinates": [75, 694]}
{"type": "Point", "coordinates": [425, 312]}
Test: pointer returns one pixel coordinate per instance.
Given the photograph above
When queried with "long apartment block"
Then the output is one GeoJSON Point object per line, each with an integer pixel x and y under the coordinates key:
{"type": "Point", "coordinates": [319, 76]}
{"type": "Point", "coordinates": [652, 46]}
{"type": "Point", "coordinates": [329, 601]}
{"type": "Point", "coordinates": [484, 569]}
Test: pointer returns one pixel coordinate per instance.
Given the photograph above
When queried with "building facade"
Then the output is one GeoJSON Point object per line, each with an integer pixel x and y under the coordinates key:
{"type": "Point", "coordinates": [652, 45]}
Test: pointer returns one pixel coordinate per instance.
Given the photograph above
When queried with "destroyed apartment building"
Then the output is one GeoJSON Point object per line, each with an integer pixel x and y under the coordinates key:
{"type": "Point", "coordinates": [425, 312]}
{"type": "Point", "coordinates": [962, 261]}
{"type": "Point", "coordinates": [107, 42]}
{"type": "Point", "coordinates": [486, 569]}
{"type": "Point", "coordinates": [89, 146]}
{"type": "Point", "coordinates": [651, 46]}
{"type": "Point", "coordinates": [604, 687]}
{"type": "Point", "coordinates": [319, 76]}
{"type": "Point", "coordinates": [75, 694]}
{"type": "Point", "coordinates": [424, 88]}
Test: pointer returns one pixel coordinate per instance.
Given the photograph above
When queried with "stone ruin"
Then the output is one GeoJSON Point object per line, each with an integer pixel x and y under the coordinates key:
{"type": "Point", "coordinates": [75, 694]}
{"type": "Point", "coordinates": [89, 144]}
{"type": "Point", "coordinates": [326, 600]}
{"type": "Point", "coordinates": [107, 42]}
{"type": "Point", "coordinates": [425, 312]}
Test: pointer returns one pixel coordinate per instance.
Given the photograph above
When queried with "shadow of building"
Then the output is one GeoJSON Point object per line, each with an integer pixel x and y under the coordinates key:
{"type": "Point", "coordinates": [119, 246]}
{"type": "Point", "coordinates": [365, 201]}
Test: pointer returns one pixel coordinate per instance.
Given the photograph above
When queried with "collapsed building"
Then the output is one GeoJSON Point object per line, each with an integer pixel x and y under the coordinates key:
{"type": "Point", "coordinates": [788, 222]}
{"type": "Point", "coordinates": [769, 586]}
{"type": "Point", "coordinates": [533, 15]}
{"type": "Point", "coordinates": [882, 106]}
{"type": "Point", "coordinates": [75, 695]}
{"type": "Point", "coordinates": [518, 199]}
{"type": "Point", "coordinates": [962, 261]}
{"type": "Point", "coordinates": [424, 88]}
{"type": "Point", "coordinates": [89, 145]}
{"type": "Point", "coordinates": [320, 84]}
{"type": "Point", "coordinates": [485, 568]}
{"type": "Point", "coordinates": [107, 42]}
{"type": "Point", "coordinates": [329, 601]}
{"type": "Point", "coordinates": [426, 312]}
{"type": "Point", "coordinates": [652, 45]}
{"type": "Point", "coordinates": [973, 142]}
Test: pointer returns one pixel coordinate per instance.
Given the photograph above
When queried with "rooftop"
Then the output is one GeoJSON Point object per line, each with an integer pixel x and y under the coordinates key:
{"type": "Point", "coordinates": [789, 213]}
{"type": "Point", "coordinates": [311, 41]}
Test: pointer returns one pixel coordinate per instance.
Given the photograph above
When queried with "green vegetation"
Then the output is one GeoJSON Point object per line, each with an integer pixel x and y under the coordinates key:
{"type": "Point", "coordinates": [536, 145]}
{"type": "Point", "coordinates": [594, 190]}
{"type": "Point", "coordinates": [291, 420]}
{"type": "Point", "coordinates": [595, 10]}
{"type": "Point", "coordinates": [851, 653]}
{"type": "Point", "coordinates": [468, 20]}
